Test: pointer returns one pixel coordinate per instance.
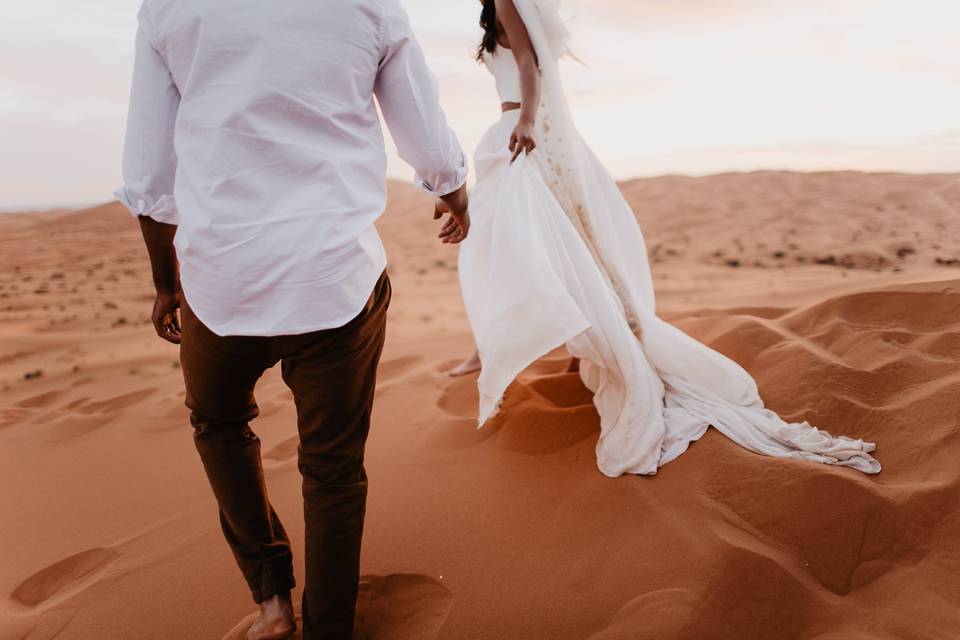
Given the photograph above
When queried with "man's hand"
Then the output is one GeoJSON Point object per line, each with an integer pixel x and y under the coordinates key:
{"type": "Point", "coordinates": [163, 261]}
{"type": "Point", "coordinates": [164, 316]}
{"type": "Point", "coordinates": [457, 227]}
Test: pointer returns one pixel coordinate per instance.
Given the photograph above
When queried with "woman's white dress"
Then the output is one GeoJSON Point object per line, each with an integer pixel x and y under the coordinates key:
{"type": "Point", "coordinates": [539, 271]}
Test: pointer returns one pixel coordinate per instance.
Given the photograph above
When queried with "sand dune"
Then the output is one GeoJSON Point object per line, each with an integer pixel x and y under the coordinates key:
{"type": "Point", "coordinates": [510, 532]}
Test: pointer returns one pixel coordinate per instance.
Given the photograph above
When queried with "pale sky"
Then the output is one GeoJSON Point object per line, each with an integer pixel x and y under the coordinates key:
{"type": "Point", "coordinates": [669, 86]}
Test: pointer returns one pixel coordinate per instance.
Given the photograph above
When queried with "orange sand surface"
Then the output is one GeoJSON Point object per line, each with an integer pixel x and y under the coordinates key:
{"type": "Point", "coordinates": [839, 292]}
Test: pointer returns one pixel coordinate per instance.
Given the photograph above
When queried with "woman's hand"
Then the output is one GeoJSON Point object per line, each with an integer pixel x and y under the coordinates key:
{"type": "Point", "coordinates": [457, 204]}
{"type": "Point", "coordinates": [521, 140]}
{"type": "Point", "coordinates": [457, 227]}
{"type": "Point", "coordinates": [527, 63]}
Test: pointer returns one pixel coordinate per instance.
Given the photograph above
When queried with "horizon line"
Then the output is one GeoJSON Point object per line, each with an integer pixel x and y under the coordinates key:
{"type": "Point", "coordinates": [80, 206]}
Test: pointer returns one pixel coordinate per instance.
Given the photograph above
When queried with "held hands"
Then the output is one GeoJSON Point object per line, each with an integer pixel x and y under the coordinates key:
{"type": "Point", "coordinates": [521, 140]}
{"type": "Point", "coordinates": [457, 227]}
{"type": "Point", "coordinates": [164, 316]}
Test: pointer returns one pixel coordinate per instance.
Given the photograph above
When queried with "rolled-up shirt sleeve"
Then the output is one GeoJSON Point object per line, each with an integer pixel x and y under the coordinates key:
{"type": "Point", "coordinates": [407, 93]}
{"type": "Point", "coordinates": [149, 158]}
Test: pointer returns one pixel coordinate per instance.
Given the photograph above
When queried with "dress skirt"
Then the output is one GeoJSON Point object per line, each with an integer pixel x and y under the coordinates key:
{"type": "Point", "coordinates": [533, 280]}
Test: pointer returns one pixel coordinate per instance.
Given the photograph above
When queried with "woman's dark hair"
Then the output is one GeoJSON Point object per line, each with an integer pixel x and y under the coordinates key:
{"type": "Point", "coordinates": [491, 30]}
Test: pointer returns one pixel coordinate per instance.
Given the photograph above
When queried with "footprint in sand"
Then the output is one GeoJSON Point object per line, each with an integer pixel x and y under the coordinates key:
{"type": "Point", "coordinates": [79, 402]}
{"type": "Point", "coordinates": [460, 398]}
{"type": "Point", "coordinates": [64, 578]}
{"type": "Point", "coordinates": [563, 390]}
{"type": "Point", "coordinates": [43, 604]}
{"type": "Point", "coordinates": [117, 403]}
{"type": "Point", "coordinates": [82, 416]}
{"type": "Point", "coordinates": [544, 411]}
{"type": "Point", "coordinates": [70, 426]}
{"type": "Point", "coordinates": [82, 381]}
{"type": "Point", "coordinates": [390, 370]}
{"type": "Point", "coordinates": [548, 414]}
{"type": "Point", "coordinates": [41, 401]}
{"type": "Point", "coordinates": [28, 407]}
{"type": "Point", "coordinates": [393, 607]}
{"type": "Point", "coordinates": [13, 357]}
{"type": "Point", "coordinates": [10, 416]}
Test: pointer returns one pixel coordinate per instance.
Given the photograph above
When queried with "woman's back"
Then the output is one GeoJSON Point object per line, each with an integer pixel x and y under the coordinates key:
{"type": "Point", "coordinates": [503, 66]}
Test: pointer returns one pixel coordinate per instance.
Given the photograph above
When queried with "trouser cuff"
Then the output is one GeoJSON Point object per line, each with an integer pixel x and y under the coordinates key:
{"type": "Point", "coordinates": [271, 581]}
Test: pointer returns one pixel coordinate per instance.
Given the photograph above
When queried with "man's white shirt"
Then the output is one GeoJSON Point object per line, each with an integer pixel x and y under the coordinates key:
{"type": "Point", "coordinates": [253, 127]}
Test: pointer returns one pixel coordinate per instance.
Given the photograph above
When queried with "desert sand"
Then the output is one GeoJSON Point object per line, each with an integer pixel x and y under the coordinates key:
{"type": "Point", "coordinates": [839, 292]}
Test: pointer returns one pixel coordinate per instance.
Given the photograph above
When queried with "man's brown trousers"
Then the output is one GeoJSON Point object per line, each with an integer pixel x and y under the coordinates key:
{"type": "Point", "coordinates": [332, 374]}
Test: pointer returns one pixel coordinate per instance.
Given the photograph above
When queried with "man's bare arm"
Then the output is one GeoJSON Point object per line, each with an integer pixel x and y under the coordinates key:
{"type": "Point", "coordinates": [166, 276]}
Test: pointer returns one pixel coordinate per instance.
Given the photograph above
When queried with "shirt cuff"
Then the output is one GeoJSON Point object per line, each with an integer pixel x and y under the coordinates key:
{"type": "Point", "coordinates": [163, 210]}
{"type": "Point", "coordinates": [445, 183]}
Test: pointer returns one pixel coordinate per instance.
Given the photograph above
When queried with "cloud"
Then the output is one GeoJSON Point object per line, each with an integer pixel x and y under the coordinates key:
{"type": "Point", "coordinates": [695, 86]}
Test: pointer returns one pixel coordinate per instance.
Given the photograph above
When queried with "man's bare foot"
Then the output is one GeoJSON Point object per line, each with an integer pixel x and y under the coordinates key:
{"type": "Point", "coordinates": [574, 366]}
{"type": "Point", "coordinates": [276, 621]}
{"type": "Point", "coordinates": [466, 367]}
